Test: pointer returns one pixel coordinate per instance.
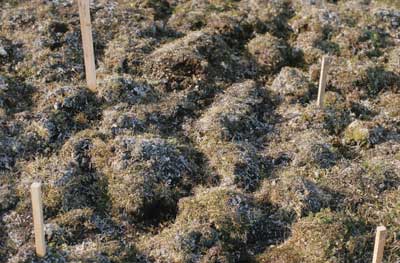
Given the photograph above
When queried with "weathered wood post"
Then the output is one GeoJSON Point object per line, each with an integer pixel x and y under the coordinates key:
{"type": "Point", "coordinates": [37, 211]}
{"type": "Point", "coordinates": [380, 239]}
{"type": "Point", "coordinates": [322, 81]}
{"type": "Point", "coordinates": [87, 42]}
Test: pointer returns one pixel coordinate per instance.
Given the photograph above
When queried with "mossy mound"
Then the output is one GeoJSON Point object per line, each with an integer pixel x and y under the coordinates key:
{"type": "Point", "coordinates": [71, 227]}
{"type": "Point", "coordinates": [363, 133]}
{"type": "Point", "coordinates": [292, 85]}
{"type": "Point", "coordinates": [69, 99]}
{"type": "Point", "coordinates": [63, 111]}
{"type": "Point", "coordinates": [235, 30]}
{"type": "Point", "coordinates": [389, 103]}
{"type": "Point", "coordinates": [365, 181]}
{"type": "Point", "coordinates": [315, 239]}
{"type": "Point", "coordinates": [305, 44]}
{"type": "Point", "coordinates": [237, 115]}
{"type": "Point", "coordinates": [216, 225]}
{"type": "Point", "coordinates": [315, 26]}
{"type": "Point", "coordinates": [18, 238]}
{"type": "Point", "coordinates": [296, 194]}
{"type": "Point", "coordinates": [189, 16]}
{"type": "Point", "coordinates": [123, 89]}
{"type": "Point", "coordinates": [313, 149]}
{"type": "Point", "coordinates": [69, 180]}
{"type": "Point", "coordinates": [146, 174]}
{"type": "Point", "coordinates": [50, 54]}
{"type": "Point", "coordinates": [102, 252]}
{"type": "Point", "coordinates": [384, 211]}
{"type": "Point", "coordinates": [239, 164]}
{"type": "Point", "coordinates": [18, 141]}
{"type": "Point", "coordinates": [10, 53]}
{"type": "Point", "coordinates": [377, 79]}
{"type": "Point", "coordinates": [268, 16]}
{"type": "Point", "coordinates": [364, 78]}
{"type": "Point", "coordinates": [270, 52]}
{"type": "Point", "coordinates": [332, 119]}
{"type": "Point", "coordinates": [224, 131]}
{"type": "Point", "coordinates": [8, 153]}
{"type": "Point", "coordinates": [189, 61]}
{"type": "Point", "coordinates": [114, 122]}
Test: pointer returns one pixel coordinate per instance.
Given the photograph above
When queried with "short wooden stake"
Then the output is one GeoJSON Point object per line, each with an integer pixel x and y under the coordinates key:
{"type": "Point", "coordinates": [322, 81]}
{"type": "Point", "coordinates": [87, 42]}
{"type": "Point", "coordinates": [37, 211]}
{"type": "Point", "coordinates": [380, 239]}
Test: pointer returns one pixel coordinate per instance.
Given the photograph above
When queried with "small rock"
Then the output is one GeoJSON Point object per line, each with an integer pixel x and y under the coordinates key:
{"type": "Point", "coordinates": [3, 84]}
{"type": "Point", "coordinates": [3, 52]}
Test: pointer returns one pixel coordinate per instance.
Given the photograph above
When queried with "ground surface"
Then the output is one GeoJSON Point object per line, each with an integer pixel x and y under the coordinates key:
{"type": "Point", "coordinates": [202, 143]}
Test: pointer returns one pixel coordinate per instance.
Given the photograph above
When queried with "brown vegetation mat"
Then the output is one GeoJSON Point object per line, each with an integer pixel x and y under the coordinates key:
{"type": "Point", "coordinates": [203, 142]}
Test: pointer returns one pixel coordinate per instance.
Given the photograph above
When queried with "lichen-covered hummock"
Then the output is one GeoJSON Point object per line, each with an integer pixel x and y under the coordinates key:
{"type": "Point", "coordinates": [333, 118]}
{"type": "Point", "coordinates": [315, 239]}
{"type": "Point", "coordinates": [216, 225]}
{"type": "Point", "coordinates": [270, 52]}
{"type": "Point", "coordinates": [189, 61]}
{"type": "Point", "coordinates": [239, 115]}
{"type": "Point", "coordinates": [145, 174]}
{"type": "Point", "coordinates": [369, 179]}
{"type": "Point", "coordinates": [123, 89]}
{"type": "Point", "coordinates": [298, 195]}
{"type": "Point", "coordinates": [292, 83]}
{"type": "Point", "coordinates": [313, 149]}
{"type": "Point", "coordinates": [363, 133]}
{"type": "Point", "coordinates": [69, 180]}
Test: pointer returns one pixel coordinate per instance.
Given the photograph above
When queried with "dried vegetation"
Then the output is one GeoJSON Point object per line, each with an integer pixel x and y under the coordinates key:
{"type": "Point", "coordinates": [203, 142]}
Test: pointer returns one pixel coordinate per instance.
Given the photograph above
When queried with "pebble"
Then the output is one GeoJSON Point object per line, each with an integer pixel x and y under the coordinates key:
{"type": "Point", "coordinates": [3, 84]}
{"type": "Point", "coordinates": [3, 52]}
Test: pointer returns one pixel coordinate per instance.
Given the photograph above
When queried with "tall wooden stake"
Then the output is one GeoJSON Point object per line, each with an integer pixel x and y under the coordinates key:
{"type": "Point", "coordinates": [322, 81]}
{"type": "Point", "coordinates": [37, 211]}
{"type": "Point", "coordinates": [380, 239]}
{"type": "Point", "coordinates": [87, 41]}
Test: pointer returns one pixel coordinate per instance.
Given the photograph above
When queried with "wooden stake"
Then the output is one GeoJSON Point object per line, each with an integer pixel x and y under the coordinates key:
{"type": "Point", "coordinates": [87, 42]}
{"type": "Point", "coordinates": [380, 239]}
{"type": "Point", "coordinates": [37, 211]}
{"type": "Point", "coordinates": [322, 81]}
